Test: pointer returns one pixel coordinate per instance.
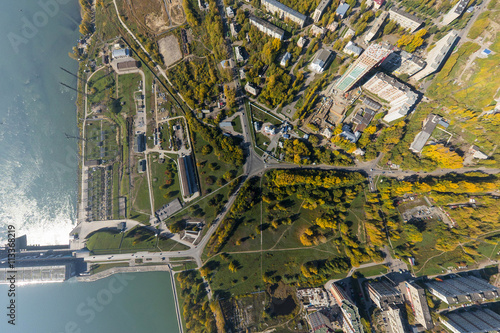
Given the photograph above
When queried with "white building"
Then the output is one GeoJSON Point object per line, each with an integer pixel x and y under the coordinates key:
{"type": "Point", "coordinates": [438, 55]}
{"type": "Point", "coordinates": [301, 42]}
{"type": "Point", "coordinates": [321, 61]}
{"type": "Point", "coordinates": [375, 27]}
{"type": "Point", "coordinates": [320, 10]}
{"type": "Point", "coordinates": [234, 30]}
{"type": "Point", "coordinates": [285, 59]}
{"type": "Point", "coordinates": [251, 89]}
{"type": "Point", "coordinates": [239, 54]}
{"type": "Point", "coordinates": [353, 49]}
{"type": "Point", "coordinates": [400, 96]}
{"type": "Point", "coordinates": [404, 19]}
{"type": "Point", "coordinates": [327, 133]}
{"type": "Point", "coordinates": [120, 53]}
{"type": "Point", "coordinates": [229, 12]}
{"type": "Point", "coordinates": [317, 31]}
{"type": "Point", "coordinates": [455, 12]}
{"type": "Point", "coordinates": [476, 153]}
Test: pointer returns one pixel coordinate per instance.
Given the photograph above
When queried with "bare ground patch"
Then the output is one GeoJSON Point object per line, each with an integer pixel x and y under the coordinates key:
{"type": "Point", "coordinates": [170, 50]}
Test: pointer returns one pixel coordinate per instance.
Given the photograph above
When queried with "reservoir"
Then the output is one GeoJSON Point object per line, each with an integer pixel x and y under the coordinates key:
{"type": "Point", "coordinates": [39, 183]}
{"type": "Point", "coordinates": [121, 303]}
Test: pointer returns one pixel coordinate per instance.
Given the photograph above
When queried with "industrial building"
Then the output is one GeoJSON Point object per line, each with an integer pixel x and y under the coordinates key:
{"type": "Point", "coordinates": [395, 321]}
{"type": "Point", "coordinates": [400, 96]}
{"type": "Point", "coordinates": [36, 274]}
{"type": "Point", "coordinates": [372, 56]}
{"type": "Point", "coordinates": [140, 143]}
{"type": "Point", "coordinates": [267, 28]}
{"type": "Point", "coordinates": [423, 136]}
{"type": "Point", "coordinates": [187, 174]}
{"type": "Point", "coordinates": [353, 49]}
{"type": "Point", "coordinates": [438, 55]}
{"type": "Point", "coordinates": [168, 209]}
{"type": "Point", "coordinates": [472, 321]}
{"type": "Point", "coordinates": [320, 10]}
{"type": "Point", "coordinates": [462, 289]}
{"type": "Point", "coordinates": [120, 53]}
{"type": "Point", "coordinates": [375, 27]}
{"type": "Point", "coordinates": [127, 65]}
{"type": "Point", "coordinates": [455, 12]}
{"type": "Point", "coordinates": [402, 62]}
{"type": "Point", "coordinates": [418, 302]}
{"type": "Point", "coordinates": [284, 12]}
{"type": "Point", "coordinates": [319, 322]}
{"type": "Point", "coordinates": [350, 319]}
{"type": "Point", "coordinates": [383, 293]}
{"type": "Point", "coordinates": [321, 61]}
{"type": "Point", "coordinates": [405, 19]}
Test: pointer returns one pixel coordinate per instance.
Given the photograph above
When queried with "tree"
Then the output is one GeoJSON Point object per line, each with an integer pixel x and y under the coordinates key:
{"type": "Point", "coordinates": [228, 175]}
{"type": "Point", "coordinates": [206, 149]}
{"type": "Point", "coordinates": [443, 156]}
{"type": "Point", "coordinates": [230, 96]}
{"type": "Point", "coordinates": [233, 266]}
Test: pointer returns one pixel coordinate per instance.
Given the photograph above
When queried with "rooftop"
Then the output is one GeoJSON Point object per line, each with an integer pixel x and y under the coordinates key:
{"type": "Point", "coordinates": [407, 15]}
{"type": "Point", "coordinates": [342, 9]}
{"type": "Point", "coordinates": [285, 8]}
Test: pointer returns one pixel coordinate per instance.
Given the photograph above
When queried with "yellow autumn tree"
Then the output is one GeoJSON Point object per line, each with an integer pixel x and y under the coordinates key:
{"type": "Point", "coordinates": [444, 157]}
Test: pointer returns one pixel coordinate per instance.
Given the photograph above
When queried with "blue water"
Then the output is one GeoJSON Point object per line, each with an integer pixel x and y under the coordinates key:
{"type": "Point", "coordinates": [38, 180]}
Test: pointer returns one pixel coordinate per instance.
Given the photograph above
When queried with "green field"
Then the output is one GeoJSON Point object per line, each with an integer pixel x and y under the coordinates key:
{"type": "Point", "coordinates": [372, 271]}
{"type": "Point", "coordinates": [101, 87]}
{"type": "Point", "coordinates": [101, 141]}
{"type": "Point", "coordinates": [128, 84]}
{"type": "Point", "coordinates": [163, 194]}
{"type": "Point", "coordinates": [237, 125]}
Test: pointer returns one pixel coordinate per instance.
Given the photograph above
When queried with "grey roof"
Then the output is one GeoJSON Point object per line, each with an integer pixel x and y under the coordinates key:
{"type": "Point", "coordinates": [480, 320]}
{"type": "Point", "coordinates": [342, 9]}
{"type": "Point", "coordinates": [421, 138]}
{"type": "Point", "coordinates": [323, 4]}
{"type": "Point", "coordinates": [407, 15]}
{"type": "Point", "coordinates": [461, 6]}
{"type": "Point", "coordinates": [267, 25]}
{"type": "Point", "coordinates": [285, 9]}
{"type": "Point", "coordinates": [371, 103]}
{"type": "Point", "coordinates": [462, 289]}
{"type": "Point", "coordinates": [353, 48]}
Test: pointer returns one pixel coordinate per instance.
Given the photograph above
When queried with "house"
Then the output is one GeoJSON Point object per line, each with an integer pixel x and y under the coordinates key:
{"type": "Point", "coordinates": [239, 54]}
{"type": "Point", "coordinates": [321, 61]}
{"type": "Point", "coordinates": [257, 125]}
{"type": "Point", "coordinates": [332, 26]}
{"type": "Point", "coordinates": [476, 153]}
{"type": "Point", "coordinates": [229, 12]}
{"type": "Point", "coordinates": [353, 49]}
{"type": "Point", "coordinates": [327, 133]}
{"type": "Point", "coordinates": [363, 119]}
{"type": "Point", "coordinates": [285, 59]}
{"type": "Point", "coordinates": [301, 42]}
{"type": "Point", "coordinates": [234, 29]}
{"type": "Point", "coordinates": [317, 31]}
{"type": "Point", "coordinates": [342, 10]}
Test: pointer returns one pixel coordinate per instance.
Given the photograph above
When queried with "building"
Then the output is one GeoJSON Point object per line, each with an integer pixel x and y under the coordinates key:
{"type": "Point", "coordinates": [350, 319]}
{"type": "Point", "coordinates": [476, 153]}
{"type": "Point", "coordinates": [405, 19]}
{"type": "Point", "coordinates": [332, 26]}
{"type": "Point", "coordinates": [395, 321]}
{"type": "Point", "coordinates": [168, 209]}
{"type": "Point", "coordinates": [141, 166]}
{"type": "Point", "coordinates": [251, 89]}
{"type": "Point", "coordinates": [423, 136]}
{"type": "Point", "coordinates": [187, 173]}
{"type": "Point", "coordinates": [342, 10]}
{"type": "Point", "coordinates": [121, 53]}
{"type": "Point", "coordinates": [327, 133]}
{"type": "Point", "coordinates": [229, 12]}
{"type": "Point", "coordinates": [301, 42]}
{"type": "Point", "coordinates": [472, 321]}
{"type": "Point", "coordinates": [416, 297]}
{"type": "Point", "coordinates": [267, 28]}
{"type": "Point", "coordinates": [363, 118]}
{"type": "Point", "coordinates": [371, 103]}
{"type": "Point", "coordinates": [375, 27]}
{"type": "Point", "coordinates": [234, 29]}
{"type": "Point", "coordinates": [285, 59]}
{"type": "Point", "coordinates": [225, 124]}
{"type": "Point", "coordinates": [239, 54]}
{"type": "Point", "coordinates": [438, 55]}
{"type": "Point", "coordinates": [353, 49]}
{"type": "Point", "coordinates": [321, 61]}
{"type": "Point", "coordinates": [383, 293]}
{"type": "Point", "coordinates": [319, 323]}
{"type": "Point", "coordinates": [400, 96]}
{"type": "Point", "coordinates": [348, 134]}
{"type": "Point", "coordinates": [284, 12]}
{"type": "Point", "coordinates": [140, 143]}
{"type": "Point", "coordinates": [317, 31]}
{"type": "Point", "coordinates": [127, 65]}
{"type": "Point", "coordinates": [377, 3]}
{"type": "Point", "coordinates": [243, 75]}
{"type": "Point", "coordinates": [455, 12]}
{"type": "Point", "coordinates": [314, 297]}
{"type": "Point", "coordinates": [402, 62]}
{"type": "Point", "coordinates": [462, 289]}
{"type": "Point", "coordinates": [320, 10]}
{"type": "Point", "coordinates": [372, 57]}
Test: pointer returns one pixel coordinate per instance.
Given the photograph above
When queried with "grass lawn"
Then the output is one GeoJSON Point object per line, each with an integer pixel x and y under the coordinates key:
{"type": "Point", "coordinates": [128, 84]}
{"type": "Point", "coordinates": [159, 178]}
{"type": "Point", "coordinates": [140, 193]}
{"type": "Point", "coordinates": [98, 86]}
{"type": "Point", "coordinates": [210, 168]}
{"type": "Point", "coordinates": [372, 271]}
{"type": "Point", "coordinates": [237, 125]}
{"type": "Point", "coordinates": [102, 267]}
{"type": "Point", "coordinates": [101, 141]}
{"type": "Point", "coordinates": [258, 115]}
{"type": "Point", "coordinates": [262, 141]}
{"type": "Point", "coordinates": [479, 26]}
